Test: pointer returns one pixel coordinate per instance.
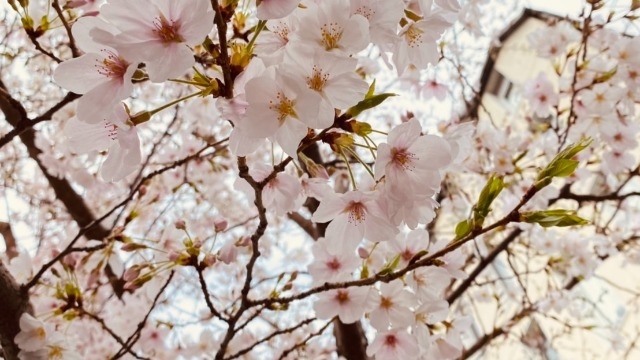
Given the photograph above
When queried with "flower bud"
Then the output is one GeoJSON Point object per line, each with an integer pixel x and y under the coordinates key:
{"type": "Point", "coordinates": [228, 253]}
{"type": "Point", "coordinates": [180, 225]}
{"type": "Point", "coordinates": [220, 224]}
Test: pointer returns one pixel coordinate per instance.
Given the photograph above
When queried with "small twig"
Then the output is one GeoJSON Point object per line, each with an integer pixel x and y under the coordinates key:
{"type": "Point", "coordinates": [72, 42]}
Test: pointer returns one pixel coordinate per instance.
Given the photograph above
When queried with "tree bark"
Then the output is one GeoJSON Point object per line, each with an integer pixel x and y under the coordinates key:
{"type": "Point", "coordinates": [13, 303]}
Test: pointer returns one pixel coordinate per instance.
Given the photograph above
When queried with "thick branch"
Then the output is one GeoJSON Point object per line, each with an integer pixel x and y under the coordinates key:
{"type": "Point", "coordinates": [13, 303]}
{"type": "Point", "coordinates": [15, 115]}
{"type": "Point", "coordinates": [9, 239]}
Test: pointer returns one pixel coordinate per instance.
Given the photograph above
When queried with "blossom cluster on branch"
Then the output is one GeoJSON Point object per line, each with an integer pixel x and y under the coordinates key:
{"type": "Point", "coordinates": [257, 179]}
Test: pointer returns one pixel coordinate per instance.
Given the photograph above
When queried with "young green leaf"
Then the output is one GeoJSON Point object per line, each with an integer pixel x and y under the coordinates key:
{"type": "Point", "coordinates": [549, 218]}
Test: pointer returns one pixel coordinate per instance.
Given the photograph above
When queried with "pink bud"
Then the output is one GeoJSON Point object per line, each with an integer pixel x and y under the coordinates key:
{"type": "Point", "coordinates": [131, 273]}
{"type": "Point", "coordinates": [220, 224]}
{"type": "Point", "coordinates": [209, 259]}
{"type": "Point", "coordinates": [173, 255]}
{"type": "Point", "coordinates": [243, 241]}
{"type": "Point", "coordinates": [363, 253]}
{"type": "Point", "coordinates": [180, 225]}
{"type": "Point", "coordinates": [228, 253]}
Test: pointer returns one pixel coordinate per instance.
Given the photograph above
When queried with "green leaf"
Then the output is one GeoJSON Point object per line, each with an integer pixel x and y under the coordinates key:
{"type": "Point", "coordinates": [365, 272]}
{"type": "Point", "coordinates": [563, 168]}
{"type": "Point", "coordinates": [392, 265]}
{"type": "Point", "coordinates": [463, 229]}
{"type": "Point", "coordinates": [489, 193]}
{"type": "Point", "coordinates": [549, 218]}
{"type": "Point", "coordinates": [372, 89]}
{"type": "Point", "coordinates": [562, 164]}
{"type": "Point", "coordinates": [368, 103]}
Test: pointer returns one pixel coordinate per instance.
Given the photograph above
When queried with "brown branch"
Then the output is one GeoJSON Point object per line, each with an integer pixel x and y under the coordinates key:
{"type": "Point", "coordinates": [9, 239]}
{"type": "Point", "coordinates": [482, 265]}
{"type": "Point", "coordinates": [132, 193]}
{"type": "Point", "coordinates": [74, 203]}
{"type": "Point", "coordinates": [269, 337]}
{"type": "Point", "coordinates": [72, 42]}
{"type": "Point", "coordinates": [24, 123]}
{"type": "Point", "coordinates": [131, 340]}
{"type": "Point", "coordinates": [13, 303]}
{"type": "Point", "coordinates": [501, 330]}
{"type": "Point", "coordinates": [106, 328]}
{"type": "Point", "coordinates": [305, 224]}
{"type": "Point", "coordinates": [243, 172]}
{"type": "Point", "coordinates": [305, 340]}
{"type": "Point", "coordinates": [225, 63]}
{"type": "Point", "coordinates": [205, 293]}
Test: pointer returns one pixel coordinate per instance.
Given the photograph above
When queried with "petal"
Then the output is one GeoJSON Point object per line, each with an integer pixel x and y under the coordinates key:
{"type": "Point", "coordinates": [80, 75]}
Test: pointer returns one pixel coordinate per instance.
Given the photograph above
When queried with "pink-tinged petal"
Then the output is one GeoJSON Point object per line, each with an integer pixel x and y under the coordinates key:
{"type": "Point", "coordinates": [403, 135]}
{"type": "Point", "coordinates": [129, 15]}
{"type": "Point", "coordinates": [351, 232]}
{"type": "Point", "coordinates": [80, 75]}
{"type": "Point", "coordinates": [195, 30]}
{"type": "Point", "coordinates": [169, 62]}
{"type": "Point", "coordinates": [289, 136]}
{"type": "Point", "coordinates": [275, 9]}
{"type": "Point", "coordinates": [384, 157]}
{"type": "Point", "coordinates": [325, 307]}
{"type": "Point", "coordinates": [83, 138]}
{"type": "Point", "coordinates": [433, 151]}
{"type": "Point", "coordinates": [124, 156]}
{"type": "Point", "coordinates": [242, 145]}
{"type": "Point", "coordinates": [346, 90]}
{"type": "Point", "coordinates": [261, 122]}
{"type": "Point", "coordinates": [330, 207]}
{"type": "Point", "coordinates": [310, 112]}
{"type": "Point", "coordinates": [100, 101]}
{"type": "Point", "coordinates": [83, 28]}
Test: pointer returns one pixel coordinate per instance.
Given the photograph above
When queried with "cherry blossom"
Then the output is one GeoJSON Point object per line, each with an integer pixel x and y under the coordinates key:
{"type": "Point", "coordinates": [392, 307]}
{"type": "Point", "coordinates": [274, 9]}
{"type": "Point", "coordinates": [348, 304]}
{"type": "Point", "coordinates": [159, 32]}
{"type": "Point", "coordinates": [393, 344]}
{"type": "Point", "coordinates": [280, 107]}
{"type": "Point", "coordinates": [332, 27]}
{"type": "Point", "coordinates": [103, 75]}
{"type": "Point", "coordinates": [115, 133]}
{"type": "Point", "coordinates": [34, 334]}
{"type": "Point", "coordinates": [417, 45]}
{"type": "Point", "coordinates": [541, 95]}
{"type": "Point", "coordinates": [332, 261]}
{"type": "Point", "coordinates": [354, 216]}
{"type": "Point", "coordinates": [409, 160]}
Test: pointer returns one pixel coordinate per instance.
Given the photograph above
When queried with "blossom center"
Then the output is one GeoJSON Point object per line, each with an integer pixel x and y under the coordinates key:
{"type": "Point", "coordinates": [365, 11]}
{"type": "Point", "coordinates": [331, 35]}
{"type": "Point", "coordinates": [282, 32]}
{"type": "Point", "coordinates": [356, 212]}
{"type": "Point", "coordinates": [333, 264]}
{"type": "Point", "coordinates": [112, 65]}
{"type": "Point", "coordinates": [386, 303]}
{"type": "Point", "coordinates": [283, 106]}
{"type": "Point", "coordinates": [112, 130]}
{"type": "Point", "coordinates": [413, 36]}
{"type": "Point", "coordinates": [167, 31]}
{"type": "Point", "coordinates": [402, 158]}
{"type": "Point", "coordinates": [318, 79]}
{"type": "Point", "coordinates": [391, 340]}
{"type": "Point", "coordinates": [55, 352]}
{"type": "Point", "coordinates": [406, 255]}
{"type": "Point", "coordinates": [342, 296]}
